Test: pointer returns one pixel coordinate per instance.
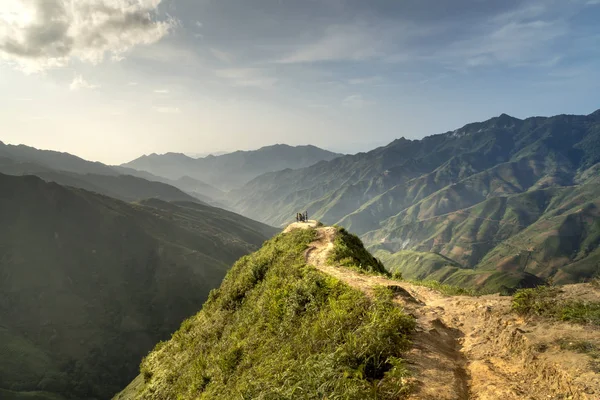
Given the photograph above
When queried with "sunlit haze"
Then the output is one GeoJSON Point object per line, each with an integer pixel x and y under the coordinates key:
{"type": "Point", "coordinates": [110, 80]}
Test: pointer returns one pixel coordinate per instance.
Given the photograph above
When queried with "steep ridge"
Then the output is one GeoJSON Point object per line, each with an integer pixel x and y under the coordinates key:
{"type": "Point", "coordinates": [279, 329]}
{"type": "Point", "coordinates": [269, 332]}
{"type": "Point", "coordinates": [474, 347]}
{"type": "Point", "coordinates": [463, 195]}
{"type": "Point", "coordinates": [90, 283]}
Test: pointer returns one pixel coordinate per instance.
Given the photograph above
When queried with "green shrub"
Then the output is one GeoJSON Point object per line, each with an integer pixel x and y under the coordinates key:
{"type": "Point", "coordinates": [397, 275]}
{"type": "Point", "coordinates": [545, 301]}
{"type": "Point", "coordinates": [348, 251]}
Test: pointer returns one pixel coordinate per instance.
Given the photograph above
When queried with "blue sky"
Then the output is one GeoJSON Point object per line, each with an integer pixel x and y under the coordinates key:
{"type": "Point", "coordinates": [110, 80]}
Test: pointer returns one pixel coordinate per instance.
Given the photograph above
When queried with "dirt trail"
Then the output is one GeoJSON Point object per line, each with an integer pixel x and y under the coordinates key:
{"type": "Point", "coordinates": [474, 347]}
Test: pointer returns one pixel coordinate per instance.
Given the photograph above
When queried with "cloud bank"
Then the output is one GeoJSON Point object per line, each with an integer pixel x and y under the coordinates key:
{"type": "Point", "coordinates": [39, 34]}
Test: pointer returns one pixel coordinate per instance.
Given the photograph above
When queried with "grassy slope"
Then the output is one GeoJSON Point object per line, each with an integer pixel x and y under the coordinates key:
{"type": "Point", "coordinates": [349, 251]}
{"type": "Point", "coordinates": [495, 237]}
{"type": "Point", "coordinates": [277, 328]}
{"type": "Point", "coordinates": [88, 282]}
{"type": "Point", "coordinates": [414, 265]}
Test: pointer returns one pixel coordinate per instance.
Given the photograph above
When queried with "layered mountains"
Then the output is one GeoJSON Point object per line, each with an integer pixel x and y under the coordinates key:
{"type": "Point", "coordinates": [90, 283]}
{"type": "Point", "coordinates": [496, 204]}
{"type": "Point", "coordinates": [67, 169]}
{"type": "Point", "coordinates": [231, 170]}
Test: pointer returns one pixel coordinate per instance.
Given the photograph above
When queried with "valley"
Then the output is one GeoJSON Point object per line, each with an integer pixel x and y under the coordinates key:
{"type": "Point", "coordinates": [89, 283]}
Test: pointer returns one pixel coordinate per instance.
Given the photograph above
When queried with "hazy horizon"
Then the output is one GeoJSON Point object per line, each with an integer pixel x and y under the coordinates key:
{"type": "Point", "coordinates": [111, 80]}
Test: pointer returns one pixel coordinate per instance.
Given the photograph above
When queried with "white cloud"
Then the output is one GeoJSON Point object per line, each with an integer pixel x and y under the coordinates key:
{"type": "Point", "coordinates": [39, 34]}
{"type": "Point", "coordinates": [161, 91]}
{"type": "Point", "coordinates": [132, 83]}
{"type": "Point", "coordinates": [80, 83]}
{"type": "Point", "coordinates": [356, 101]}
{"type": "Point", "coordinates": [248, 77]}
{"type": "Point", "coordinates": [198, 24]}
{"type": "Point", "coordinates": [167, 110]}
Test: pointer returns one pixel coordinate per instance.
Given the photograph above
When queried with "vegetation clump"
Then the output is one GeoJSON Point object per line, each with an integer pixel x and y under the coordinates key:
{"type": "Point", "coordinates": [443, 288]}
{"type": "Point", "coordinates": [349, 251]}
{"type": "Point", "coordinates": [545, 301]}
{"type": "Point", "coordinates": [279, 329]}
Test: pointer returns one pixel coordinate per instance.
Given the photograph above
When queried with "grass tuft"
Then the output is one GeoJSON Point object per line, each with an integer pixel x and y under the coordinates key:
{"type": "Point", "coordinates": [545, 301]}
{"type": "Point", "coordinates": [349, 251]}
{"type": "Point", "coordinates": [448, 290]}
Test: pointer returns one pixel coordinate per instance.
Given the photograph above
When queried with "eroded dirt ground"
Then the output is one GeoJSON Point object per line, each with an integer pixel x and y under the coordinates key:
{"type": "Point", "coordinates": [475, 347]}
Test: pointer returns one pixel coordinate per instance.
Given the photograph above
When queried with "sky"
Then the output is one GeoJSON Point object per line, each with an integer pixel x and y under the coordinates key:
{"type": "Point", "coordinates": [110, 80]}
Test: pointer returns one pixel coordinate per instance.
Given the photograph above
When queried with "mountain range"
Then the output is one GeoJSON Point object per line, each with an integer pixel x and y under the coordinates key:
{"type": "Point", "coordinates": [231, 170]}
{"type": "Point", "coordinates": [90, 283]}
{"type": "Point", "coordinates": [99, 263]}
{"type": "Point", "coordinates": [498, 203]}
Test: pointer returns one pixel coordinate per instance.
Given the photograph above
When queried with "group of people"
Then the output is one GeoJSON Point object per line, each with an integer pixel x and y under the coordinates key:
{"type": "Point", "coordinates": [302, 217]}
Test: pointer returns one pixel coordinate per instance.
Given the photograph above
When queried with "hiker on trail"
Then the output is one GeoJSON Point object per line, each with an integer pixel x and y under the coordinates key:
{"type": "Point", "coordinates": [306, 216]}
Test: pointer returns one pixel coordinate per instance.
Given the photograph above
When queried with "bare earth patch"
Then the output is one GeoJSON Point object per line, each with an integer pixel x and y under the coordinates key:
{"type": "Point", "coordinates": [475, 347]}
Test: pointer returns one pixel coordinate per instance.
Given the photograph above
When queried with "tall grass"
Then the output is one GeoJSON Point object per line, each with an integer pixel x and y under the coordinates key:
{"type": "Point", "coordinates": [279, 329]}
{"type": "Point", "coordinates": [349, 251]}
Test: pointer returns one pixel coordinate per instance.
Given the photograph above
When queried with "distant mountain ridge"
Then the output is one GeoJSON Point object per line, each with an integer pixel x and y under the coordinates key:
{"type": "Point", "coordinates": [388, 195]}
{"type": "Point", "coordinates": [121, 183]}
{"type": "Point", "coordinates": [234, 169]}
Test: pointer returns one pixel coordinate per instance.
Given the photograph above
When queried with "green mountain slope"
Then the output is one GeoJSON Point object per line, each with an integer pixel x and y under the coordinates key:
{"type": "Point", "coordinates": [458, 194]}
{"type": "Point", "coordinates": [89, 284]}
{"type": "Point", "coordinates": [279, 329]}
{"type": "Point", "coordinates": [231, 170]}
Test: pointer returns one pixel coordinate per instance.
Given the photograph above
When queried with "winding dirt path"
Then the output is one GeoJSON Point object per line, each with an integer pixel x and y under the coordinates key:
{"type": "Point", "coordinates": [474, 347]}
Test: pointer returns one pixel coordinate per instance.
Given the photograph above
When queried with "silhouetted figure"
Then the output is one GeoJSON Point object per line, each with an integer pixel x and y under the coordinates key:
{"type": "Point", "coordinates": [306, 216]}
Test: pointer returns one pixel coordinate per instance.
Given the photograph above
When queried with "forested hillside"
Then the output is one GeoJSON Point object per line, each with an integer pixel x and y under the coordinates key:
{"type": "Point", "coordinates": [89, 283]}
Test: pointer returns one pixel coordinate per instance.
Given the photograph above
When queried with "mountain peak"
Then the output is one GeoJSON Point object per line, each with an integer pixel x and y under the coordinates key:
{"type": "Point", "coordinates": [506, 118]}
